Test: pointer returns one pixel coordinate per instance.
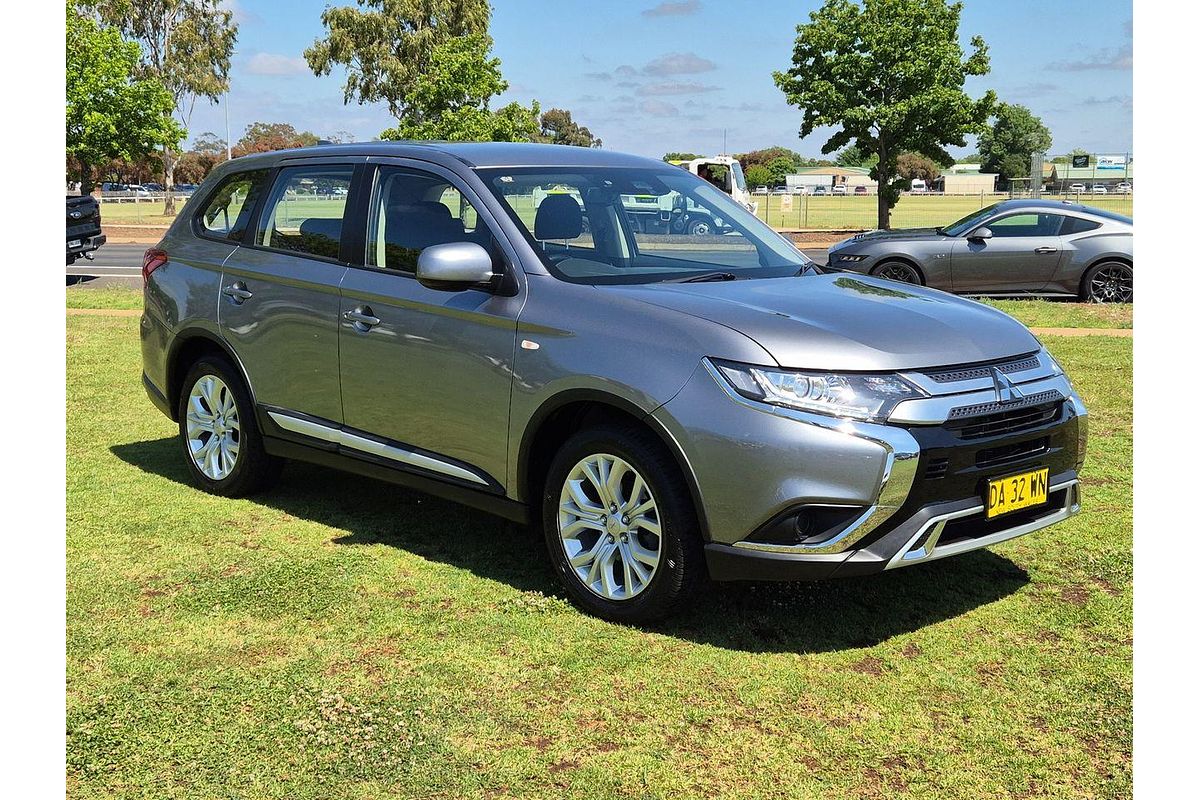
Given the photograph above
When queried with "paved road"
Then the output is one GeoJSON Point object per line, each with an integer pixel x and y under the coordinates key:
{"type": "Point", "coordinates": [120, 264]}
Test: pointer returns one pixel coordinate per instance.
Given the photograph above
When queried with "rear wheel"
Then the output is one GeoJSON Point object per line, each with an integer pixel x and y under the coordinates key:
{"type": "Point", "coordinates": [699, 227]}
{"type": "Point", "coordinates": [897, 271]}
{"type": "Point", "coordinates": [620, 527]}
{"type": "Point", "coordinates": [221, 442]}
{"type": "Point", "coordinates": [1108, 282]}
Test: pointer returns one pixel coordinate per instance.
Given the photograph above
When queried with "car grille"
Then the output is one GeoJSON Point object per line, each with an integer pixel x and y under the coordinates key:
{"type": "Point", "coordinates": [974, 373]}
{"type": "Point", "coordinates": [993, 419]}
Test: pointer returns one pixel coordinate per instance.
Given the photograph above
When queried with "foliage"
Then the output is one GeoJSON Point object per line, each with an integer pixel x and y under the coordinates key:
{"type": "Point", "coordinates": [207, 151]}
{"type": "Point", "coordinates": [1066, 159]}
{"type": "Point", "coordinates": [450, 99]}
{"type": "Point", "coordinates": [852, 156]}
{"type": "Point", "coordinates": [1014, 137]}
{"type": "Point", "coordinates": [557, 127]}
{"type": "Point", "coordinates": [758, 175]}
{"type": "Point", "coordinates": [263, 137]}
{"type": "Point", "coordinates": [110, 114]}
{"type": "Point", "coordinates": [780, 167]}
{"type": "Point", "coordinates": [673, 156]}
{"type": "Point", "coordinates": [186, 45]}
{"type": "Point", "coordinates": [915, 165]}
{"type": "Point", "coordinates": [387, 48]}
{"type": "Point", "coordinates": [969, 158]}
{"type": "Point", "coordinates": [888, 75]}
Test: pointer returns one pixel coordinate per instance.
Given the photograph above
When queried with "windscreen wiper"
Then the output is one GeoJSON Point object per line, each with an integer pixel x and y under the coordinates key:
{"type": "Point", "coordinates": [705, 277]}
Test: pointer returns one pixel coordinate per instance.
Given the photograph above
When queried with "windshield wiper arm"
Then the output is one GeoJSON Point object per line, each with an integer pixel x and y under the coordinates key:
{"type": "Point", "coordinates": [705, 277]}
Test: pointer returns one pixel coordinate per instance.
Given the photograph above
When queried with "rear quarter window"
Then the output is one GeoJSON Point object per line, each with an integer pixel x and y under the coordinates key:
{"type": "Point", "coordinates": [227, 211]}
{"type": "Point", "coordinates": [1077, 225]}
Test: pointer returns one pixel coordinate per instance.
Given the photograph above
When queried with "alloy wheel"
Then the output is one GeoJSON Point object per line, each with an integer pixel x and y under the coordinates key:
{"type": "Point", "coordinates": [213, 429]}
{"type": "Point", "coordinates": [609, 526]}
{"type": "Point", "coordinates": [1111, 283]}
{"type": "Point", "coordinates": [700, 228]}
{"type": "Point", "coordinates": [898, 272]}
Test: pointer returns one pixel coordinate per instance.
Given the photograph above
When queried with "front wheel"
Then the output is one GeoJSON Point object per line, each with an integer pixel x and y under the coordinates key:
{"type": "Point", "coordinates": [699, 227]}
{"type": "Point", "coordinates": [897, 271]}
{"type": "Point", "coordinates": [222, 445]}
{"type": "Point", "coordinates": [1108, 282]}
{"type": "Point", "coordinates": [620, 527]}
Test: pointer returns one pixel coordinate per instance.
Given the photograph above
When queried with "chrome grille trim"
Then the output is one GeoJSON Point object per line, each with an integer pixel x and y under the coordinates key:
{"type": "Point", "coordinates": [972, 373]}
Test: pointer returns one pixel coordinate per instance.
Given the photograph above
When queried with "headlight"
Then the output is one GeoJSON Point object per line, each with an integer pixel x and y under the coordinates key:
{"type": "Point", "coordinates": [856, 396]}
{"type": "Point", "coordinates": [851, 259]}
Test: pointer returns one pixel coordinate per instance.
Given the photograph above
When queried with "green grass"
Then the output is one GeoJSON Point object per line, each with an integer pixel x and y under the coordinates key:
{"type": "Point", "coordinates": [108, 297]}
{"type": "Point", "coordinates": [341, 638]}
{"type": "Point", "coordinates": [1061, 314]}
{"type": "Point", "coordinates": [852, 212]}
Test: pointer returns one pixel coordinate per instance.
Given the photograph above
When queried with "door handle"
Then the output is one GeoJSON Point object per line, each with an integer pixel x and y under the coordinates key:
{"type": "Point", "coordinates": [237, 292]}
{"type": "Point", "coordinates": [362, 318]}
{"type": "Point", "coordinates": [1045, 250]}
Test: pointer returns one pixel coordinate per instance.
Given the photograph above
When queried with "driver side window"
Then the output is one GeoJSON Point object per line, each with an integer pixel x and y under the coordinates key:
{"type": "Point", "coordinates": [412, 210]}
{"type": "Point", "coordinates": [1032, 224]}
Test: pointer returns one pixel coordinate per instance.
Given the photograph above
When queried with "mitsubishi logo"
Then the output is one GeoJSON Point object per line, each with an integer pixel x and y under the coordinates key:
{"type": "Point", "coordinates": [1006, 392]}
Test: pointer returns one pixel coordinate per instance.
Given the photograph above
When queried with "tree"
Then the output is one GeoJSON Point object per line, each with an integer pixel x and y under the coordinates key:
{"type": "Point", "coordinates": [387, 48]}
{"type": "Point", "coordinates": [915, 165]}
{"type": "Point", "coordinates": [263, 137]}
{"type": "Point", "coordinates": [109, 113]}
{"type": "Point", "coordinates": [758, 175]}
{"type": "Point", "coordinates": [450, 99]}
{"type": "Point", "coordinates": [852, 156]}
{"type": "Point", "coordinates": [207, 151]}
{"type": "Point", "coordinates": [186, 45]}
{"type": "Point", "coordinates": [780, 167]}
{"type": "Point", "coordinates": [1015, 136]}
{"type": "Point", "coordinates": [681, 156]}
{"type": "Point", "coordinates": [888, 75]}
{"type": "Point", "coordinates": [1078, 151]}
{"type": "Point", "coordinates": [558, 128]}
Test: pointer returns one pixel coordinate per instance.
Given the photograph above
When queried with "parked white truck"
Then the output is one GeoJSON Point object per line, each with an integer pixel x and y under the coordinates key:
{"type": "Point", "coordinates": [725, 173]}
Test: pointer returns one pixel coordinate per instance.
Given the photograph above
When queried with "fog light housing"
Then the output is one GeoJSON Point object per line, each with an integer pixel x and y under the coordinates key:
{"type": "Point", "coordinates": [806, 525]}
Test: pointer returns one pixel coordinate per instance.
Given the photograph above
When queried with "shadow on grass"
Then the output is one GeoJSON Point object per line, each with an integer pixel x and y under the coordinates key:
{"type": "Point", "coordinates": [768, 617]}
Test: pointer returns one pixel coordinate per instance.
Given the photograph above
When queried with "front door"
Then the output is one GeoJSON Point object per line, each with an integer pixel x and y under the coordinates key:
{"type": "Point", "coordinates": [1021, 255]}
{"type": "Point", "coordinates": [429, 372]}
{"type": "Point", "coordinates": [279, 297]}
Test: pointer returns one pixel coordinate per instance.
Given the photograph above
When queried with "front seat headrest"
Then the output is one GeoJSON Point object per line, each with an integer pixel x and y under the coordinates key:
{"type": "Point", "coordinates": [558, 217]}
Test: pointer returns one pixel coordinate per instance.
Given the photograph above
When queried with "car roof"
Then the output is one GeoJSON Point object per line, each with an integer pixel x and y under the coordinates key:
{"type": "Point", "coordinates": [473, 154]}
{"type": "Point", "coordinates": [1055, 206]}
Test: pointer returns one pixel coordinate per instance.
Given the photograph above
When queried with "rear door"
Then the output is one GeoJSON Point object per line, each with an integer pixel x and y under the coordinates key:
{"type": "Point", "coordinates": [1022, 254]}
{"type": "Point", "coordinates": [431, 375]}
{"type": "Point", "coordinates": [279, 292]}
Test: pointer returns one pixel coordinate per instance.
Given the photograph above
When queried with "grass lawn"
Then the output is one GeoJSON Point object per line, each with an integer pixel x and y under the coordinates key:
{"type": "Point", "coordinates": [341, 638]}
{"type": "Point", "coordinates": [1036, 313]}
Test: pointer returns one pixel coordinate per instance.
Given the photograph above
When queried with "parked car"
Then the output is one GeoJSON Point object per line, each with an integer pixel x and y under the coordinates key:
{"type": "Point", "coordinates": [780, 190]}
{"type": "Point", "coordinates": [664, 413]}
{"type": "Point", "coordinates": [154, 187]}
{"type": "Point", "coordinates": [839, 189]}
{"type": "Point", "coordinates": [1077, 188]}
{"type": "Point", "coordinates": [860, 189]}
{"type": "Point", "coordinates": [1123, 188]}
{"type": "Point", "coordinates": [760, 190]}
{"type": "Point", "coordinates": [1036, 247]}
{"type": "Point", "coordinates": [1099, 188]}
{"type": "Point", "coordinates": [820, 190]}
{"type": "Point", "coordinates": [83, 227]}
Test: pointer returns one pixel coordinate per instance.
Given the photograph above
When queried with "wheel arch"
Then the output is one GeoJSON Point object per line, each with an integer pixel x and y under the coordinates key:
{"type": "Point", "coordinates": [576, 409]}
{"type": "Point", "coordinates": [189, 346]}
{"type": "Point", "coordinates": [903, 259]}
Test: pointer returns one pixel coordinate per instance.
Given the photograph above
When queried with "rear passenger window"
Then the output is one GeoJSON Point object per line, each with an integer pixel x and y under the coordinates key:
{"type": "Point", "coordinates": [412, 210]}
{"type": "Point", "coordinates": [305, 210]}
{"type": "Point", "coordinates": [226, 213]}
{"type": "Point", "coordinates": [1077, 225]}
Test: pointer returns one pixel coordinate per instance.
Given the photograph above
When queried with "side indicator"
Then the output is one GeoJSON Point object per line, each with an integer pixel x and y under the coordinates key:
{"type": "Point", "coordinates": [528, 345]}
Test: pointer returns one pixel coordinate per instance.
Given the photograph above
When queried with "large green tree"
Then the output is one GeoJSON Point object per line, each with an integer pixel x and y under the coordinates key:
{"type": "Point", "coordinates": [559, 128]}
{"type": "Point", "coordinates": [453, 95]}
{"type": "Point", "coordinates": [186, 45]}
{"type": "Point", "coordinates": [387, 48]}
{"type": "Point", "coordinates": [111, 114]}
{"type": "Point", "coordinates": [1016, 135]}
{"type": "Point", "coordinates": [888, 76]}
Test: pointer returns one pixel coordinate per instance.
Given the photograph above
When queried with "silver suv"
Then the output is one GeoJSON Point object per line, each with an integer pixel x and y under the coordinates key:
{"type": "Point", "coordinates": [489, 323]}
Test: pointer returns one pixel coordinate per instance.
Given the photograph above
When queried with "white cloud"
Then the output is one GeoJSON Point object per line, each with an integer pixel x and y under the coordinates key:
{"type": "Point", "coordinates": [678, 64]}
{"type": "Point", "coordinates": [674, 88]}
{"type": "Point", "coordinates": [276, 64]}
{"type": "Point", "coordinates": [676, 9]}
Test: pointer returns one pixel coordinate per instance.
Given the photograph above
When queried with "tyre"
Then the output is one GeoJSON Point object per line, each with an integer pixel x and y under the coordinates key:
{"type": "Point", "coordinates": [1107, 282]}
{"type": "Point", "coordinates": [699, 227]}
{"type": "Point", "coordinates": [898, 271]}
{"type": "Point", "coordinates": [222, 444]}
{"type": "Point", "coordinates": [620, 526]}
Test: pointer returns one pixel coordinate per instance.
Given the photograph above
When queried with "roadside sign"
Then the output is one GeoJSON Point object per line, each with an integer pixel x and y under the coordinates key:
{"type": "Point", "coordinates": [785, 203]}
{"type": "Point", "coordinates": [1080, 162]}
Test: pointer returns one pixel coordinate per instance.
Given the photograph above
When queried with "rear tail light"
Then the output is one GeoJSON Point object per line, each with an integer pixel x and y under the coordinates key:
{"type": "Point", "coordinates": [152, 260]}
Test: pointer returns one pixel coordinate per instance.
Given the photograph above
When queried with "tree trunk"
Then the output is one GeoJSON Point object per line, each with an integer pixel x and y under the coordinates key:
{"type": "Point", "coordinates": [85, 178]}
{"type": "Point", "coordinates": [885, 190]}
{"type": "Point", "coordinates": [169, 161]}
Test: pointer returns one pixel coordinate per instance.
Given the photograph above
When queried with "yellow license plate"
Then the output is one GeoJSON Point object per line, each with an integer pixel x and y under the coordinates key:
{"type": "Point", "coordinates": [1015, 492]}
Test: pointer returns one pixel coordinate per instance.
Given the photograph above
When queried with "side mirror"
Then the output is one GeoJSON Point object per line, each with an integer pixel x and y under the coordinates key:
{"type": "Point", "coordinates": [454, 267]}
{"type": "Point", "coordinates": [979, 234]}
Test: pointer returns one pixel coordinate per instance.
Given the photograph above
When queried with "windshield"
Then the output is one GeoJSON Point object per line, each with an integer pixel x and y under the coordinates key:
{"type": "Point", "coordinates": [969, 221]}
{"type": "Point", "coordinates": [603, 225]}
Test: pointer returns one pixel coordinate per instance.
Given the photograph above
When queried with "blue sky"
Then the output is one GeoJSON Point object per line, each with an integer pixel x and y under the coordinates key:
{"type": "Point", "coordinates": [649, 76]}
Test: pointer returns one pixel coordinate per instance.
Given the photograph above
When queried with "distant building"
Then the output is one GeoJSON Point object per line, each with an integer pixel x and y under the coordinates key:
{"type": "Point", "coordinates": [966, 179]}
{"type": "Point", "coordinates": [838, 176]}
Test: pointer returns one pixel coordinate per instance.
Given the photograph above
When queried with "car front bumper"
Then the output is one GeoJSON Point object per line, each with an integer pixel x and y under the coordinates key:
{"type": "Point", "coordinates": [909, 491]}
